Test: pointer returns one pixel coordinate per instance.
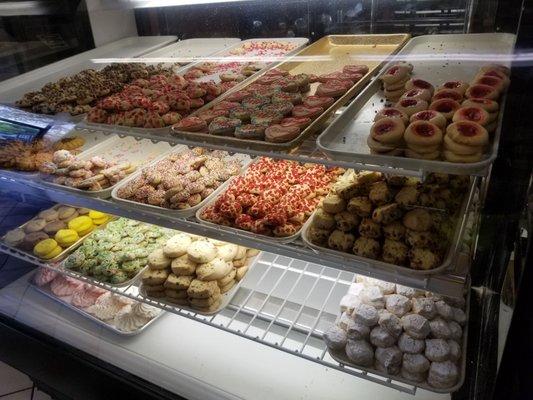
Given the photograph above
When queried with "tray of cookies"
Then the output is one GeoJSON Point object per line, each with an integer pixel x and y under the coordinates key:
{"type": "Point", "coordinates": [393, 222]}
{"type": "Point", "coordinates": [180, 181]}
{"type": "Point", "coordinates": [119, 314]}
{"type": "Point", "coordinates": [56, 232]}
{"type": "Point", "coordinates": [279, 108]}
{"type": "Point", "coordinates": [438, 113]}
{"type": "Point", "coordinates": [272, 199]}
{"type": "Point", "coordinates": [96, 171]}
{"type": "Point", "coordinates": [415, 337]}
{"type": "Point", "coordinates": [195, 274]}
{"type": "Point", "coordinates": [116, 254]}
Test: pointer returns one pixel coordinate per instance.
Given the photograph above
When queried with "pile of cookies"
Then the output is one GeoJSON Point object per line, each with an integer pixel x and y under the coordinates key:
{"type": "Point", "coordinates": [93, 174]}
{"type": "Point", "coordinates": [158, 101]}
{"type": "Point", "coordinates": [181, 180]}
{"type": "Point", "coordinates": [30, 156]}
{"type": "Point", "coordinates": [395, 80]}
{"type": "Point", "coordinates": [452, 122]}
{"type": "Point", "coordinates": [397, 330]}
{"type": "Point", "coordinates": [77, 93]}
{"type": "Point", "coordinates": [273, 108]}
{"type": "Point", "coordinates": [383, 218]}
{"type": "Point", "coordinates": [118, 252]}
{"type": "Point", "coordinates": [273, 198]}
{"type": "Point", "coordinates": [54, 230]}
{"type": "Point", "coordinates": [192, 271]}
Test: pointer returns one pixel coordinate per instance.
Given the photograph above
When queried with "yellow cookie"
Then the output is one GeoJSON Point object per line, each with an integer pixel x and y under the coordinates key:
{"type": "Point", "coordinates": [81, 223]}
{"type": "Point", "coordinates": [53, 253]}
{"type": "Point", "coordinates": [66, 237]}
{"type": "Point", "coordinates": [96, 214]}
{"type": "Point", "coordinates": [45, 247]}
{"type": "Point", "coordinates": [86, 231]}
{"type": "Point", "coordinates": [100, 221]}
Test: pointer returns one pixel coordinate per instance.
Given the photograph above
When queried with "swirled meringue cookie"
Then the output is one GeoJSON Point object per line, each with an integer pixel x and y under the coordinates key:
{"type": "Point", "coordinates": [127, 320]}
{"type": "Point", "coordinates": [106, 307]}
{"type": "Point", "coordinates": [145, 311]}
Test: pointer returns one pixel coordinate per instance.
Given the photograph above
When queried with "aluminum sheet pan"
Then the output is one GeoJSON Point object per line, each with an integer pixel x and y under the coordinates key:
{"type": "Point", "coordinates": [437, 59]}
{"type": "Point", "coordinates": [326, 55]}
{"type": "Point", "coordinates": [449, 259]}
{"type": "Point", "coordinates": [64, 301]}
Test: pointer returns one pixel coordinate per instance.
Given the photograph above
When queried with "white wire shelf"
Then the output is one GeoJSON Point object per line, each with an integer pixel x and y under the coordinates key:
{"type": "Point", "coordinates": [451, 283]}
{"type": "Point", "coordinates": [283, 303]}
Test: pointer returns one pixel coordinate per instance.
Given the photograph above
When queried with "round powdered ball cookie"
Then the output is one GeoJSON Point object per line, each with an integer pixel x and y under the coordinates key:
{"type": "Point", "coordinates": [398, 305]}
{"type": "Point", "coordinates": [335, 338]}
{"type": "Point", "coordinates": [440, 329]}
{"type": "Point", "coordinates": [372, 296]}
{"type": "Point", "coordinates": [177, 245]}
{"type": "Point", "coordinates": [391, 112]}
{"type": "Point", "coordinates": [447, 107]}
{"type": "Point", "coordinates": [443, 374]}
{"type": "Point", "coordinates": [423, 133]}
{"type": "Point", "coordinates": [390, 322]}
{"type": "Point", "coordinates": [437, 350]}
{"type": "Point", "coordinates": [421, 377]}
{"type": "Point", "coordinates": [468, 133]}
{"type": "Point", "coordinates": [416, 326]}
{"type": "Point", "coordinates": [456, 332]}
{"type": "Point", "coordinates": [432, 116]}
{"type": "Point", "coordinates": [455, 350]}
{"type": "Point", "coordinates": [381, 337]}
{"type": "Point", "coordinates": [387, 130]}
{"type": "Point", "coordinates": [389, 356]}
{"type": "Point", "coordinates": [415, 363]}
{"type": "Point", "coordinates": [357, 331]}
{"type": "Point", "coordinates": [360, 352]}
{"type": "Point", "coordinates": [365, 314]}
{"type": "Point", "coordinates": [458, 315]}
{"type": "Point", "coordinates": [418, 220]}
{"type": "Point", "coordinates": [444, 310]}
{"type": "Point", "coordinates": [201, 251]}
{"type": "Point", "coordinates": [424, 307]}
{"type": "Point", "coordinates": [411, 106]}
{"type": "Point", "coordinates": [407, 344]}
{"type": "Point", "coordinates": [158, 260]}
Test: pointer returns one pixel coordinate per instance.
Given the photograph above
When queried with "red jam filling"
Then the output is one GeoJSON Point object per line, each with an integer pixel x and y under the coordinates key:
{"type": "Point", "coordinates": [467, 129]}
{"type": "Point", "coordinates": [490, 81]}
{"type": "Point", "coordinates": [412, 92]}
{"type": "Point", "coordinates": [393, 70]}
{"type": "Point", "coordinates": [448, 94]}
{"type": "Point", "coordinates": [445, 107]}
{"type": "Point", "coordinates": [391, 113]}
{"type": "Point", "coordinates": [421, 84]}
{"type": "Point", "coordinates": [493, 73]}
{"type": "Point", "coordinates": [472, 114]}
{"type": "Point", "coordinates": [425, 115]}
{"type": "Point", "coordinates": [425, 130]}
{"type": "Point", "coordinates": [408, 103]}
{"type": "Point", "coordinates": [478, 91]}
{"type": "Point", "coordinates": [384, 128]}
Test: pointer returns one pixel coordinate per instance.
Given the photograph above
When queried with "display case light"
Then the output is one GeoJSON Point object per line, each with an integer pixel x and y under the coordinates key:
{"type": "Point", "coordinates": [169, 3]}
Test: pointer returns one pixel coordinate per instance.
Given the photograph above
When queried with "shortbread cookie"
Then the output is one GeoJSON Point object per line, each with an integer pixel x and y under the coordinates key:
{"type": "Point", "coordinates": [35, 225]}
{"type": "Point", "coordinates": [239, 262]}
{"type": "Point", "coordinates": [157, 291]}
{"type": "Point", "coordinates": [176, 301]}
{"type": "Point", "coordinates": [419, 84]}
{"type": "Point", "coordinates": [227, 287]}
{"type": "Point", "coordinates": [424, 151]}
{"type": "Point", "coordinates": [158, 260]}
{"type": "Point", "coordinates": [452, 157]}
{"type": "Point", "coordinates": [52, 227]}
{"type": "Point", "coordinates": [154, 276]}
{"type": "Point", "coordinates": [213, 307]}
{"type": "Point", "coordinates": [203, 289]}
{"type": "Point", "coordinates": [227, 252]}
{"type": "Point", "coordinates": [422, 156]}
{"type": "Point", "coordinates": [239, 274]}
{"type": "Point", "coordinates": [177, 245]}
{"type": "Point", "coordinates": [203, 303]}
{"type": "Point", "coordinates": [176, 294]}
{"type": "Point", "coordinates": [417, 93]}
{"type": "Point", "coordinates": [178, 282]}
{"type": "Point", "coordinates": [335, 338]}
{"type": "Point", "coordinates": [398, 86]}
{"type": "Point", "coordinates": [458, 86]}
{"type": "Point", "coordinates": [227, 278]}
{"type": "Point", "coordinates": [214, 270]}
{"type": "Point", "coordinates": [183, 266]}
{"type": "Point", "coordinates": [202, 251]}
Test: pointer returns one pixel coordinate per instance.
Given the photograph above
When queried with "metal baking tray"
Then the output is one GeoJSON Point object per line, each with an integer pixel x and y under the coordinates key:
{"type": "Point", "coordinates": [222, 56]}
{"type": "Point", "coordinates": [66, 251]}
{"type": "Point", "coordinates": [451, 254]}
{"type": "Point", "coordinates": [186, 51]}
{"type": "Point", "coordinates": [48, 293]}
{"type": "Point", "coordinates": [342, 359]}
{"type": "Point", "coordinates": [110, 149]}
{"type": "Point", "coordinates": [328, 54]}
{"type": "Point", "coordinates": [436, 58]}
{"type": "Point", "coordinates": [14, 88]}
{"type": "Point", "coordinates": [189, 212]}
{"type": "Point", "coordinates": [225, 300]}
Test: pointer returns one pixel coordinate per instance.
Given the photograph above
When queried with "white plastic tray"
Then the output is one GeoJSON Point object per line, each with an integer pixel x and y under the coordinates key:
{"type": "Point", "coordinates": [451, 253]}
{"type": "Point", "coordinates": [189, 212]}
{"type": "Point", "coordinates": [116, 149]}
{"type": "Point", "coordinates": [14, 88]}
{"type": "Point", "coordinates": [225, 298]}
{"type": "Point", "coordinates": [65, 301]}
{"type": "Point", "coordinates": [436, 58]}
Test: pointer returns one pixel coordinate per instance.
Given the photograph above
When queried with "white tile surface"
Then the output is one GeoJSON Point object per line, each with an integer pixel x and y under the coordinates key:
{"type": "Point", "coordinates": [12, 380]}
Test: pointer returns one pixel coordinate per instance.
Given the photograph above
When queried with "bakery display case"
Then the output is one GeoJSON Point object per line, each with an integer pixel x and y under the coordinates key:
{"type": "Point", "coordinates": [336, 190]}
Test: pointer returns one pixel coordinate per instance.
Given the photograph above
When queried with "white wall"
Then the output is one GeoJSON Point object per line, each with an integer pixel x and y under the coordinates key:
{"type": "Point", "coordinates": [110, 24]}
